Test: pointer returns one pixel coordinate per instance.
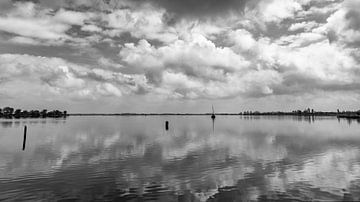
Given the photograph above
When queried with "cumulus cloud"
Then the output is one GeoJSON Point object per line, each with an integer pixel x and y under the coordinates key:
{"type": "Point", "coordinates": [195, 57]}
{"type": "Point", "coordinates": [61, 78]}
{"type": "Point", "coordinates": [37, 28]}
{"type": "Point", "coordinates": [143, 23]}
{"type": "Point", "coordinates": [319, 66]}
{"type": "Point", "coordinates": [181, 49]}
{"type": "Point", "coordinates": [198, 69]}
{"type": "Point", "coordinates": [301, 39]}
{"type": "Point", "coordinates": [304, 63]}
{"type": "Point", "coordinates": [108, 63]}
{"type": "Point", "coordinates": [31, 23]}
{"type": "Point", "coordinates": [306, 26]}
{"type": "Point", "coordinates": [278, 10]}
{"type": "Point", "coordinates": [344, 24]}
{"type": "Point", "coordinates": [71, 17]}
{"type": "Point", "coordinates": [91, 28]}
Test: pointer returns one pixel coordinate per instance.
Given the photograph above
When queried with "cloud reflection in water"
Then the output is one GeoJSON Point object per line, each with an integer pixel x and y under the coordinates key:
{"type": "Point", "coordinates": [123, 158]}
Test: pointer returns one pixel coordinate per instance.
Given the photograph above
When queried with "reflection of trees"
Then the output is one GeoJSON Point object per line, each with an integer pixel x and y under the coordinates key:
{"type": "Point", "coordinates": [6, 124]}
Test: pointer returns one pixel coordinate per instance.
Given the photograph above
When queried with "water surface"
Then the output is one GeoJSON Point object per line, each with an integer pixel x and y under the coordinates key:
{"type": "Point", "coordinates": [136, 159]}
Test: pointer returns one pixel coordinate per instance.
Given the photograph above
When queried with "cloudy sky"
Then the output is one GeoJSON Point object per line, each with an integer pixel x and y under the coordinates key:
{"type": "Point", "coordinates": [180, 55]}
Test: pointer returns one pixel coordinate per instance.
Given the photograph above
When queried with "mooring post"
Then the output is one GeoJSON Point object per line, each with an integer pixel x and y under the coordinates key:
{"type": "Point", "coordinates": [24, 141]}
{"type": "Point", "coordinates": [166, 125]}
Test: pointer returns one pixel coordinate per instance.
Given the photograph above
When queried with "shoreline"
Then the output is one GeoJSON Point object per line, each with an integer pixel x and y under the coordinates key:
{"type": "Point", "coordinates": [323, 114]}
{"type": "Point", "coordinates": [190, 114]}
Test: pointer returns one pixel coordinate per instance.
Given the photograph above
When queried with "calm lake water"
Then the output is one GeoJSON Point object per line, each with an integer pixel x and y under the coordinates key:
{"type": "Point", "coordinates": [136, 159]}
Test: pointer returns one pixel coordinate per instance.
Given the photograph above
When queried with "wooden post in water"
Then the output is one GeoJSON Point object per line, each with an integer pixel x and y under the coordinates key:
{"type": "Point", "coordinates": [24, 141]}
{"type": "Point", "coordinates": [166, 125]}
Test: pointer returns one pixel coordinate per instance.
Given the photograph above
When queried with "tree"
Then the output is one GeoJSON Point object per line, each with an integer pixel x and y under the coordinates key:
{"type": "Point", "coordinates": [8, 111]}
{"type": "Point", "coordinates": [43, 113]}
{"type": "Point", "coordinates": [17, 113]}
{"type": "Point", "coordinates": [34, 113]}
{"type": "Point", "coordinates": [24, 114]}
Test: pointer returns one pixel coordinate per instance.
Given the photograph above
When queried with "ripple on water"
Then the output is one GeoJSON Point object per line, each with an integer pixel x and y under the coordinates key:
{"type": "Point", "coordinates": [103, 159]}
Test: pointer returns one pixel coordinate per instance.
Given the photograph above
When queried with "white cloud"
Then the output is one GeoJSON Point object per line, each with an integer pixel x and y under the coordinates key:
{"type": "Point", "coordinates": [32, 23]}
{"type": "Point", "coordinates": [278, 10]}
{"type": "Point", "coordinates": [345, 22]}
{"type": "Point", "coordinates": [24, 40]}
{"type": "Point", "coordinates": [323, 61]}
{"type": "Point", "coordinates": [25, 20]}
{"type": "Point", "coordinates": [91, 28]}
{"type": "Point", "coordinates": [60, 78]}
{"type": "Point", "coordinates": [242, 39]}
{"type": "Point", "coordinates": [143, 23]}
{"type": "Point", "coordinates": [320, 10]}
{"type": "Point", "coordinates": [197, 68]}
{"type": "Point", "coordinates": [306, 26]}
{"type": "Point", "coordinates": [71, 17]}
{"type": "Point", "coordinates": [254, 67]}
{"type": "Point", "coordinates": [198, 53]}
{"type": "Point", "coordinates": [106, 62]}
{"type": "Point", "coordinates": [36, 28]}
{"type": "Point", "coordinates": [301, 39]}
{"type": "Point", "coordinates": [108, 89]}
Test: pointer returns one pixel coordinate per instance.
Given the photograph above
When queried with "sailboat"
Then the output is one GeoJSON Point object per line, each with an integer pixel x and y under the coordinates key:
{"type": "Point", "coordinates": [213, 112]}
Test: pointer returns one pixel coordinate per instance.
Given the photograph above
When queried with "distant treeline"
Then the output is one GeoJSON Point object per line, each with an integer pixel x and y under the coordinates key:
{"type": "Point", "coordinates": [9, 112]}
{"type": "Point", "coordinates": [306, 112]}
{"type": "Point", "coordinates": [151, 114]}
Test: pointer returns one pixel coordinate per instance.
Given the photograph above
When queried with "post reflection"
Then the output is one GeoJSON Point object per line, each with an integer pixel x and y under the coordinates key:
{"type": "Point", "coordinates": [213, 125]}
{"type": "Point", "coordinates": [24, 140]}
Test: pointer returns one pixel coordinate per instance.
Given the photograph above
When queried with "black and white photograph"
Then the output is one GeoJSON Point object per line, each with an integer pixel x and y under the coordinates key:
{"type": "Point", "coordinates": [179, 100]}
